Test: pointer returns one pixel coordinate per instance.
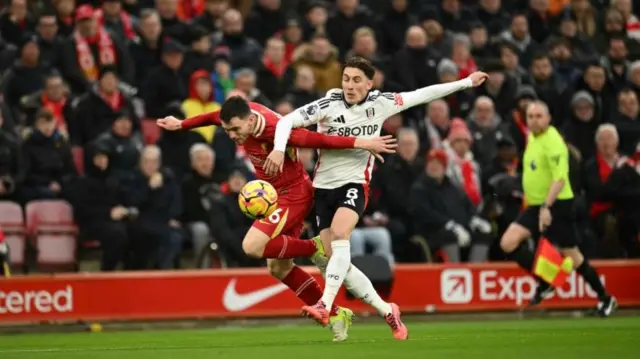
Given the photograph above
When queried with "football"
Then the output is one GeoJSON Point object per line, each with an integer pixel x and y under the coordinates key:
{"type": "Point", "coordinates": [258, 199]}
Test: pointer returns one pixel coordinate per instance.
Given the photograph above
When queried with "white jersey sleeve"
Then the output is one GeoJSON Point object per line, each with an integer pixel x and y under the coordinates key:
{"type": "Point", "coordinates": [304, 116]}
{"type": "Point", "coordinates": [398, 102]}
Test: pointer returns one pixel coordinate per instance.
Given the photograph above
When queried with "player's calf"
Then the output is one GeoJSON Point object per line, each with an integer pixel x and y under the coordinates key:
{"type": "Point", "coordinates": [279, 268]}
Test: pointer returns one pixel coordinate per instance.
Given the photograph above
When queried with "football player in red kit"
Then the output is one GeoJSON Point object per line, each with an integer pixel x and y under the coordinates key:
{"type": "Point", "coordinates": [252, 126]}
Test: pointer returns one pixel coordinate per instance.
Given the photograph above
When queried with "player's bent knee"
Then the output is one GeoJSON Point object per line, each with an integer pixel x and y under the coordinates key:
{"type": "Point", "coordinates": [253, 247]}
{"type": "Point", "coordinates": [575, 254]}
{"type": "Point", "coordinates": [254, 243]}
{"type": "Point", "coordinates": [512, 237]}
{"type": "Point", "coordinates": [279, 268]}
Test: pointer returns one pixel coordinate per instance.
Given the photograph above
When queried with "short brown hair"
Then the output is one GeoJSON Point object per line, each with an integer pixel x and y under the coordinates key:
{"type": "Point", "coordinates": [44, 114]}
{"type": "Point", "coordinates": [362, 64]}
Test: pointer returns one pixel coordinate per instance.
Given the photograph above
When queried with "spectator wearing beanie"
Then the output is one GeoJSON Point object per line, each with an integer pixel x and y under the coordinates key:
{"type": "Point", "coordinates": [16, 21]}
{"type": "Point", "coordinates": [462, 169]}
{"type": "Point", "coordinates": [460, 102]}
{"type": "Point", "coordinates": [99, 208]}
{"type": "Point", "coordinates": [166, 82]}
{"type": "Point", "coordinates": [123, 145]}
{"type": "Point", "coordinates": [201, 100]}
{"type": "Point", "coordinates": [26, 76]}
{"type": "Point", "coordinates": [580, 129]}
{"type": "Point", "coordinates": [96, 110]}
{"type": "Point", "coordinates": [90, 48]}
{"type": "Point", "coordinates": [46, 159]}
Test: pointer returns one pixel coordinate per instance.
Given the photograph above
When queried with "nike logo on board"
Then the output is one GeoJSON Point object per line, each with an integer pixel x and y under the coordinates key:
{"type": "Point", "coordinates": [236, 302]}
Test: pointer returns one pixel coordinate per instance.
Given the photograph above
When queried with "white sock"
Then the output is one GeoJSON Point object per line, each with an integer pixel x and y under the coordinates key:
{"type": "Point", "coordinates": [336, 270]}
{"type": "Point", "coordinates": [360, 286]}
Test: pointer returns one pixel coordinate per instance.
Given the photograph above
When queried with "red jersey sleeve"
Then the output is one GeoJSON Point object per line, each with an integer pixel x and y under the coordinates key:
{"type": "Point", "coordinates": [300, 137]}
{"type": "Point", "coordinates": [206, 119]}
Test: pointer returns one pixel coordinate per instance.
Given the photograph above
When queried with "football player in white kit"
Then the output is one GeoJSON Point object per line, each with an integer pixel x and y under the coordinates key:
{"type": "Point", "coordinates": [342, 177]}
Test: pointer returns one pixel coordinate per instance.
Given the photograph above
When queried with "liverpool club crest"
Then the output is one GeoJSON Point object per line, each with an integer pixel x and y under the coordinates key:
{"type": "Point", "coordinates": [370, 113]}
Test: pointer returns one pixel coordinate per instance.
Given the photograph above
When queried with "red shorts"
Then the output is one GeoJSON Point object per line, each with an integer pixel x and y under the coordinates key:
{"type": "Point", "coordinates": [294, 205]}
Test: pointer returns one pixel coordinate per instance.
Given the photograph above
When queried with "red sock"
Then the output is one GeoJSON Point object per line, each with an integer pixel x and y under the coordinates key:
{"type": "Point", "coordinates": [289, 247]}
{"type": "Point", "coordinates": [305, 287]}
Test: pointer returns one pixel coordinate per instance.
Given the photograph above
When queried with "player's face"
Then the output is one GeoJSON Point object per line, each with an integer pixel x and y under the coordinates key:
{"type": "Point", "coordinates": [537, 118]}
{"type": "Point", "coordinates": [239, 129]}
{"type": "Point", "coordinates": [355, 85]}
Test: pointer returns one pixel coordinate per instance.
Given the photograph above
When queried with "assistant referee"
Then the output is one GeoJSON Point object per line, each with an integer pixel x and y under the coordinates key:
{"type": "Point", "coordinates": [550, 206]}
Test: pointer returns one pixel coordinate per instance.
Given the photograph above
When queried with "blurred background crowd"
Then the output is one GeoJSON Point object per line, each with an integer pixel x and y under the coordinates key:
{"type": "Point", "coordinates": [82, 82]}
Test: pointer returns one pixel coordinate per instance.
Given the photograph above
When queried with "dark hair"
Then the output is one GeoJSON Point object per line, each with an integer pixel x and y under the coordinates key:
{"type": "Point", "coordinates": [362, 64]}
{"type": "Point", "coordinates": [508, 45]}
{"type": "Point", "coordinates": [44, 114]}
{"type": "Point", "coordinates": [617, 38]}
{"type": "Point", "coordinates": [519, 14]}
{"type": "Point", "coordinates": [540, 56]}
{"type": "Point", "coordinates": [234, 106]}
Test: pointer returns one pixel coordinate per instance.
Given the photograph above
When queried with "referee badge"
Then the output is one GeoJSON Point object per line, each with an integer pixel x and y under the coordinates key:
{"type": "Point", "coordinates": [370, 113]}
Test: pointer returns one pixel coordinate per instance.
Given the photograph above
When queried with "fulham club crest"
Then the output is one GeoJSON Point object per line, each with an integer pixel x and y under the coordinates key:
{"type": "Point", "coordinates": [370, 113]}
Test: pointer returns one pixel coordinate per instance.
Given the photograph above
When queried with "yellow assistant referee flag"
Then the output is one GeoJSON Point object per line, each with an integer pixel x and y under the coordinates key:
{"type": "Point", "coordinates": [550, 265]}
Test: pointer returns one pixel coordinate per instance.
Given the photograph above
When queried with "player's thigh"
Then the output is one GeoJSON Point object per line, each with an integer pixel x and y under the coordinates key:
{"type": "Point", "coordinates": [351, 201]}
{"type": "Point", "coordinates": [279, 268]}
{"type": "Point", "coordinates": [524, 227]}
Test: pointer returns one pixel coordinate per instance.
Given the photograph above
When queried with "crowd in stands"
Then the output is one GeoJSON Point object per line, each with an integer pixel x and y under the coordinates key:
{"type": "Point", "coordinates": [82, 82]}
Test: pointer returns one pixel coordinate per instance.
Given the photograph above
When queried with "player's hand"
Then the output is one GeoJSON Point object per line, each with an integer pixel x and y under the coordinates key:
{"type": "Point", "coordinates": [544, 220]}
{"type": "Point", "coordinates": [274, 163]}
{"type": "Point", "coordinates": [377, 145]}
{"type": "Point", "coordinates": [478, 78]}
{"type": "Point", "coordinates": [169, 123]}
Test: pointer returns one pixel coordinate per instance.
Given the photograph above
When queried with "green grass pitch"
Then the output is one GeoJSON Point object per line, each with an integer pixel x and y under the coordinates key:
{"type": "Point", "coordinates": [614, 338]}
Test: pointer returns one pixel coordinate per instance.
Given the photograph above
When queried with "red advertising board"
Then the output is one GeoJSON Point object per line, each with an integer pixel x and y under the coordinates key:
{"type": "Point", "coordinates": [252, 292]}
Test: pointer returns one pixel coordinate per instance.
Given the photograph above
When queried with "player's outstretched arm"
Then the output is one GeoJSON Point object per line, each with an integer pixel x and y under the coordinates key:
{"type": "Point", "coordinates": [427, 94]}
{"type": "Point", "coordinates": [304, 138]}
{"type": "Point", "coordinates": [206, 119]}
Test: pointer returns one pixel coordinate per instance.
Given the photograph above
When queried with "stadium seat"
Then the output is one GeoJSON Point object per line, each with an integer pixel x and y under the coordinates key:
{"type": "Point", "coordinates": [50, 225]}
{"type": "Point", "coordinates": [423, 246]}
{"type": "Point", "coordinates": [12, 224]}
{"type": "Point", "coordinates": [78, 158]}
{"type": "Point", "coordinates": [150, 130]}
